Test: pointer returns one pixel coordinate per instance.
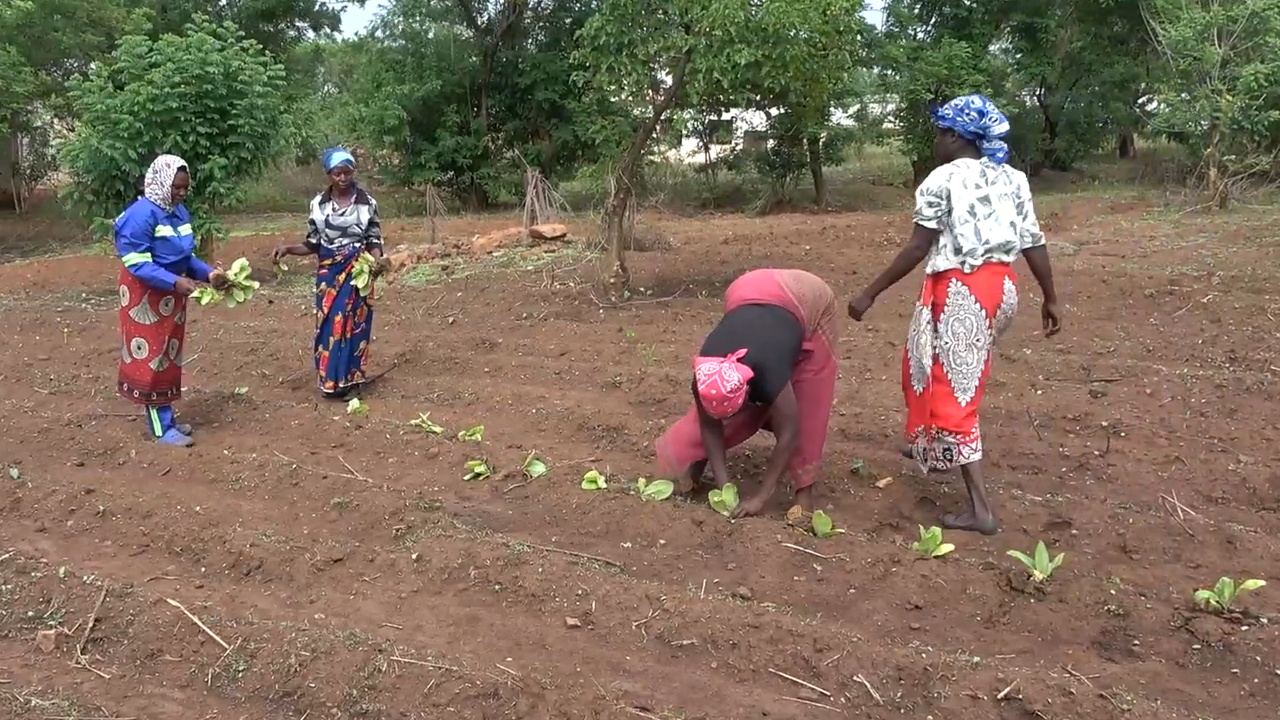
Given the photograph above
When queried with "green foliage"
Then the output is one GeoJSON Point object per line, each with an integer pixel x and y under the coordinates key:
{"type": "Point", "coordinates": [1221, 599]}
{"type": "Point", "coordinates": [655, 489]}
{"type": "Point", "coordinates": [823, 526]}
{"type": "Point", "coordinates": [210, 95]}
{"type": "Point", "coordinates": [724, 500]}
{"type": "Point", "coordinates": [1040, 566]}
{"type": "Point", "coordinates": [930, 544]}
{"type": "Point", "coordinates": [594, 480]}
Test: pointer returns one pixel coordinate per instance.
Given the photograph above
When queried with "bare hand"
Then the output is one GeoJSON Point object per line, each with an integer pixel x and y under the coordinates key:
{"type": "Point", "coordinates": [280, 252]}
{"type": "Point", "coordinates": [380, 267]}
{"type": "Point", "coordinates": [184, 286]}
{"type": "Point", "coordinates": [859, 306]}
{"type": "Point", "coordinates": [219, 280]}
{"type": "Point", "coordinates": [1051, 319]}
{"type": "Point", "coordinates": [749, 508]}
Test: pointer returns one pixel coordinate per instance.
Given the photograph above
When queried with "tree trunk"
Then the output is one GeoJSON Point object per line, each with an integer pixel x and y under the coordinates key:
{"type": "Point", "coordinates": [1126, 147]}
{"type": "Point", "coordinates": [813, 144]}
{"type": "Point", "coordinates": [1216, 180]}
{"type": "Point", "coordinates": [617, 233]}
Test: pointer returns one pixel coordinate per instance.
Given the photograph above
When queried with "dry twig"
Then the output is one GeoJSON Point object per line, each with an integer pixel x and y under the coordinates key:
{"type": "Point", "coordinates": [879, 700]}
{"type": "Point", "coordinates": [1005, 692]}
{"type": "Point", "coordinates": [437, 666]}
{"type": "Point", "coordinates": [201, 625]}
{"type": "Point", "coordinates": [798, 681]}
{"type": "Point", "coordinates": [570, 553]}
{"type": "Point", "coordinates": [814, 553]}
{"type": "Point", "coordinates": [297, 464]}
{"type": "Point", "coordinates": [811, 703]}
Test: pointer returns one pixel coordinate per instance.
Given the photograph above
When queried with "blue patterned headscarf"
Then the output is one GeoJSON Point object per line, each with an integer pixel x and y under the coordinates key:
{"type": "Point", "coordinates": [978, 119]}
{"type": "Point", "coordinates": [333, 157]}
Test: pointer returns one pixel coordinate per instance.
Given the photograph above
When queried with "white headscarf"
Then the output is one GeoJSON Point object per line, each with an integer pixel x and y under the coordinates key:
{"type": "Point", "coordinates": [158, 187]}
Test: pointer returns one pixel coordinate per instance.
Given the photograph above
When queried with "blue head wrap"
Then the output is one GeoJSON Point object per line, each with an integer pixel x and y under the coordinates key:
{"type": "Point", "coordinates": [978, 119]}
{"type": "Point", "coordinates": [333, 157]}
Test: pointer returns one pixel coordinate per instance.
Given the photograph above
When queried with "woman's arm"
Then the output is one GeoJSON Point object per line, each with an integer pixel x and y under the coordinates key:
{"type": "Point", "coordinates": [1036, 252]}
{"type": "Point", "coordinates": [199, 270]}
{"type": "Point", "coordinates": [373, 231]}
{"type": "Point", "coordinates": [713, 442]}
{"type": "Point", "coordinates": [784, 418]}
{"type": "Point", "coordinates": [911, 255]}
{"type": "Point", "coordinates": [932, 212]}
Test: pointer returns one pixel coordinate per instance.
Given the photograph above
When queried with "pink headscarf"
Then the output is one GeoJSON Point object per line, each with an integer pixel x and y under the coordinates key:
{"type": "Point", "coordinates": [722, 383]}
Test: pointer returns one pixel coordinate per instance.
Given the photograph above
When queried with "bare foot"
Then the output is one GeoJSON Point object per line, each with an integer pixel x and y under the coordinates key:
{"type": "Point", "coordinates": [968, 521]}
{"type": "Point", "coordinates": [804, 499]}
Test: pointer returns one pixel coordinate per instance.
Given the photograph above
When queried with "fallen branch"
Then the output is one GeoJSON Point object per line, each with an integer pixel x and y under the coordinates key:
{"type": "Point", "coordinates": [297, 464]}
{"type": "Point", "coordinates": [879, 700]}
{"type": "Point", "coordinates": [798, 681]}
{"type": "Point", "coordinates": [811, 703]}
{"type": "Point", "coordinates": [81, 660]}
{"type": "Point", "coordinates": [353, 470]}
{"type": "Point", "coordinates": [814, 553]}
{"type": "Point", "coordinates": [1005, 692]}
{"type": "Point", "coordinates": [201, 625]}
{"type": "Point", "coordinates": [1165, 505]}
{"type": "Point", "coordinates": [437, 666]}
{"type": "Point", "coordinates": [571, 553]}
{"type": "Point", "coordinates": [626, 303]}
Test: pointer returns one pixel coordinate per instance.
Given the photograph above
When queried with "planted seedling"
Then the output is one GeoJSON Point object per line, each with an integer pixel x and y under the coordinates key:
{"type": "Point", "coordinates": [362, 273]}
{"type": "Point", "coordinates": [477, 470]}
{"type": "Point", "coordinates": [14, 473]}
{"type": "Point", "coordinates": [823, 526]}
{"type": "Point", "coordinates": [423, 422]}
{"type": "Point", "coordinates": [1040, 566]}
{"type": "Point", "coordinates": [533, 467]}
{"type": "Point", "coordinates": [1222, 597]}
{"type": "Point", "coordinates": [594, 481]}
{"type": "Point", "coordinates": [724, 500]}
{"type": "Point", "coordinates": [930, 544]}
{"type": "Point", "coordinates": [355, 406]}
{"type": "Point", "coordinates": [655, 489]}
{"type": "Point", "coordinates": [475, 434]}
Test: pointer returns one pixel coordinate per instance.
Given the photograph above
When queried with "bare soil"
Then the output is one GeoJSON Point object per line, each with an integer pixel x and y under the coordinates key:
{"type": "Point", "coordinates": [352, 573]}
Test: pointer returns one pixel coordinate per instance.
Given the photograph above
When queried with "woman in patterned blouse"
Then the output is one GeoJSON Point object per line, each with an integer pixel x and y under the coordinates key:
{"type": "Point", "coordinates": [973, 218]}
{"type": "Point", "coordinates": [343, 224]}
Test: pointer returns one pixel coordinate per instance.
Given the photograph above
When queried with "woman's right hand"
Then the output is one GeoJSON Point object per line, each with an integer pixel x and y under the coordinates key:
{"type": "Point", "coordinates": [184, 286]}
{"type": "Point", "coordinates": [280, 252]}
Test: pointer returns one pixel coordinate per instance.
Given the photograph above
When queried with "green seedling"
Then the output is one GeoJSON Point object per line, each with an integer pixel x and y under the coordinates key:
{"type": "Point", "coordinates": [240, 391]}
{"type": "Point", "coordinates": [594, 481]}
{"type": "Point", "coordinates": [1223, 595]}
{"type": "Point", "coordinates": [362, 273]}
{"type": "Point", "coordinates": [823, 526]}
{"type": "Point", "coordinates": [859, 467]}
{"type": "Point", "coordinates": [724, 500]}
{"type": "Point", "coordinates": [477, 470]}
{"type": "Point", "coordinates": [533, 467]}
{"type": "Point", "coordinates": [355, 406]}
{"type": "Point", "coordinates": [1040, 567]}
{"type": "Point", "coordinates": [930, 544]}
{"type": "Point", "coordinates": [475, 434]}
{"type": "Point", "coordinates": [14, 473]}
{"type": "Point", "coordinates": [423, 422]}
{"type": "Point", "coordinates": [655, 489]}
{"type": "Point", "coordinates": [241, 290]}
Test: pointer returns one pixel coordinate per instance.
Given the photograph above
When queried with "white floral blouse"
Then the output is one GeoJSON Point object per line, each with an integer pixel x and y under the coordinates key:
{"type": "Point", "coordinates": [983, 210]}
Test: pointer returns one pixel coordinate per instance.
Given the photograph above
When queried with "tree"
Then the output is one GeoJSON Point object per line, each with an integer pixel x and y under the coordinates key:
{"type": "Point", "coordinates": [277, 25]}
{"type": "Point", "coordinates": [656, 59]}
{"type": "Point", "coordinates": [1222, 93]}
{"type": "Point", "coordinates": [210, 95]}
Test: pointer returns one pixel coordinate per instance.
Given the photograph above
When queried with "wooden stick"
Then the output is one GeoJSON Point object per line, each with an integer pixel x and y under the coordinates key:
{"type": "Point", "coordinates": [571, 553]}
{"type": "Point", "coordinates": [1174, 499]}
{"type": "Point", "coordinates": [798, 681]}
{"type": "Point", "coordinates": [437, 666]}
{"type": "Point", "coordinates": [879, 700]}
{"type": "Point", "coordinates": [811, 703]}
{"type": "Point", "coordinates": [201, 625]}
{"type": "Point", "coordinates": [353, 470]}
{"type": "Point", "coordinates": [286, 458]}
{"type": "Point", "coordinates": [93, 618]}
{"type": "Point", "coordinates": [1076, 675]}
{"type": "Point", "coordinates": [1034, 425]}
{"type": "Point", "coordinates": [1005, 692]}
{"type": "Point", "coordinates": [807, 551]}
{"type": "Point", "coordinates": [1176, 519]}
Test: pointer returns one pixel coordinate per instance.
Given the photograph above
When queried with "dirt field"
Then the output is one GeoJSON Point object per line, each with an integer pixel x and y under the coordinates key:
{"type": "Point", "coordinates": [353, 574]}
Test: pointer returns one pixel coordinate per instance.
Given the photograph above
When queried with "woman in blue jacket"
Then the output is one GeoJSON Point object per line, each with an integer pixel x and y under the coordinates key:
{"type": "Point", "coordinates": [156, 245]}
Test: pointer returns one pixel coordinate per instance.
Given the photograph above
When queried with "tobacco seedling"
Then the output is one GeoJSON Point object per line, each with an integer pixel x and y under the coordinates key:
{"type": "Point", "coordinates": [14, 473]}
{"type": "Point", "coordinates": [477, 470]}
{"type": "Point", "coordinates": [930, 544]}
{"type": "Point", "coordinates": [724, 500]}
{"type": "Point", "coordinates": [1040, 567]}
{"type": "Point", "coordinates": [1220, 599]}
{"type": "Point", "coordinates": [655, 489]}
{"type": "Point", "coordinates": [823, 526]}
{"type": "Point", "coordinates": [362, 273]}
{"type": "Point", "coordinates": [533, 467]}
{"type": "Point", "coordinates": [241, 290]}
{"type": "Point", "coordinates": [355, 406]}
{"type": "Point", "coordinates": [475, 434]}
{"type": "Point", "coordinates": [594, 481]}
{"type": "Point", "coordinates": [423, 422]}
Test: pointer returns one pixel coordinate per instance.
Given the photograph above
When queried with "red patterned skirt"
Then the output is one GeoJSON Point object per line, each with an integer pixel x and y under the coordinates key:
{"type": "Point", "coordinates": [152, 326]}
{"type": "Point", "coordinates": [948, 358]}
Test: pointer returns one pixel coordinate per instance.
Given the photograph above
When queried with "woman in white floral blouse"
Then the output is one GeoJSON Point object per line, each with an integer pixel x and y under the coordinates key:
{"type": "Point", "coordinates": [973, 218]}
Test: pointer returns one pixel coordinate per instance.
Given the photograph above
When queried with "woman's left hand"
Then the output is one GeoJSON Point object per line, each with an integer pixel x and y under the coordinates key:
{"type": "Point", "coordinates": [382, 266]}
{"type": "Point", "coordinates": [750, 507]}
{"type": "Point", "coordinates": [219, 280]}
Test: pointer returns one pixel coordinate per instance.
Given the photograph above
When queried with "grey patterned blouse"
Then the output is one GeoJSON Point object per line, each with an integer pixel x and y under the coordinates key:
{"type": "Point", "coordinates": [338, 228]}
{"type": "Point", "coordinates": [983, 210]}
